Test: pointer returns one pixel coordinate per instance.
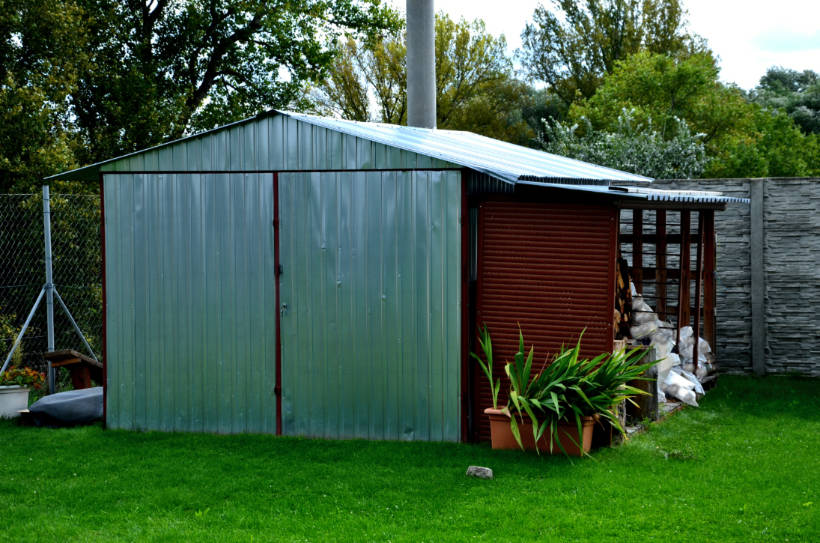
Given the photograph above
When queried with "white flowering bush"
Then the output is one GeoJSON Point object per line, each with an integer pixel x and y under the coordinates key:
{"type": "Point", "coordinates": [670, 153]}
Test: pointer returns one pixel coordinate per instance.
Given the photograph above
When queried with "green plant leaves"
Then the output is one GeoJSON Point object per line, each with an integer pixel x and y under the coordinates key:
{"type": "Point", "coordinates": [568, 389]}
{"type": "Point", "coordinates": [487, 348]}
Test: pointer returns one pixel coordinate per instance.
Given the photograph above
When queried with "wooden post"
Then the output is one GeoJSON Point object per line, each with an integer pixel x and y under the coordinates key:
{"type": "Point", "coordinates": [683, 290]}
{"type": "Point", "coordinates": [660, 262]}
{"type": "Point", "coordinates": [637, 249]}
{"type": "Point", "coordinates": [698, 284]}
{"type": "Point", "coordinates": [709, 280]}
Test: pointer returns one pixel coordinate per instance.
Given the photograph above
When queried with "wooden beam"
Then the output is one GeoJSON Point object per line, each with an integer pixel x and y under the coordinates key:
{"type": "Point", "coordinates": [637, 249]}
{"type": "Point", "coordinates": [660, 262]}
{"type": "Point", "coordinates": [683, 290]}
{"type": "Point", "coordinates": [698, 285]}
{"type": "Point", "coordinates": [671, 238]}
{"type": "Point", "coordinates": [709, 280]}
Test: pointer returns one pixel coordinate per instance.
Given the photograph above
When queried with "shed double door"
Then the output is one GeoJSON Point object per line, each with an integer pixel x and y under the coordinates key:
{"type": "Point", "coordinates": [548, 268]}
{"type": "Point", "coordinates": [370, 304]}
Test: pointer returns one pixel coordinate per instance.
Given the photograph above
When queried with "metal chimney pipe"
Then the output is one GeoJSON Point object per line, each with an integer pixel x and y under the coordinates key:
{"type": "Point", "coordinates": [421, 64]}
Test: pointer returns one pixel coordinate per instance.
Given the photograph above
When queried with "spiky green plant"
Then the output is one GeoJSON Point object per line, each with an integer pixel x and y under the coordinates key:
{"type": "Point", "coordinates": [487, 367]}
{"type": "Point", "coordinates": [570, 388]}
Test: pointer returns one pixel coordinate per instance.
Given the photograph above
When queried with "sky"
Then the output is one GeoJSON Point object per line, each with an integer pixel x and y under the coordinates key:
{"type": "Point", "coordinates": [748, 36]}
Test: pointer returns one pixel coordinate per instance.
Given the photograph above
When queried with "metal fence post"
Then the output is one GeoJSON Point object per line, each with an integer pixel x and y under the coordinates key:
{"type": "Point", "coordinates": [49, 286]}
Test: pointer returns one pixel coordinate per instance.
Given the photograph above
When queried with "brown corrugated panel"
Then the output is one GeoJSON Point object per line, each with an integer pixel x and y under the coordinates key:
{"type": "Point", "coordinates": [549, 268]}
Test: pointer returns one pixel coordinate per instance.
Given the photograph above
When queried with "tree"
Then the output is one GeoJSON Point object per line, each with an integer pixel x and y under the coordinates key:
{"type": "Point", "coordinates": [773, 147]}
{"type": "Point", "coordinates": [572, 47]}
{"type": "Point", "coordinates": [666, 88]}
{"type": "Point", "coordinates": [741, 139]}
{"type": "Point", "coordinates": [41, 55]}
{"type": "Point", "coordinates": [374, 67]}
{"type": "Point", "coordinates": [795, 93]}
{"type": "Point", "coordinates": [541, 108]}
{"type": "Point", "coordinates": [631, 146]}
{"type": "Point", "coordinates": [476, 88]}
{"type": "Point", "coordinates": [161, 69]}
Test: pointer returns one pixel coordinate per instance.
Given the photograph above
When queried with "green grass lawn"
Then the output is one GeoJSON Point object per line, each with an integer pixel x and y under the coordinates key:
{"type": "Point", "coordinates": [742, 467]}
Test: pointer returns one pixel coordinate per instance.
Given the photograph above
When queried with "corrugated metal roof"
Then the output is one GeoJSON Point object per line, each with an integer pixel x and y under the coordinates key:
{"type": "Point", "coordinates": [647, 193]}
{"type": "Point", "coordinates": [505, 161]}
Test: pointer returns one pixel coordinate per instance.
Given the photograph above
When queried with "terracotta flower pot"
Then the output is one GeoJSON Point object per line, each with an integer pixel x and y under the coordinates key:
{"type": "Point", "coordinates": [502, 437]}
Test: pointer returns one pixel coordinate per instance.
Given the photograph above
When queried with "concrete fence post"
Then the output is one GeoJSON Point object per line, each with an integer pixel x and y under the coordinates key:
{"type": "Point", "coordinates": [758, 275]}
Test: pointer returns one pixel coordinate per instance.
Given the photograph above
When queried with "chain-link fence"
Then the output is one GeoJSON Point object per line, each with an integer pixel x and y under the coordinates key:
{"type": "Point", "coordinates": [77, 273]}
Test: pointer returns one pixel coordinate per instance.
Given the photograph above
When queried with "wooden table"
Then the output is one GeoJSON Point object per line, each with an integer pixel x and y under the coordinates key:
{"type": "Point", "coordinates": [83, 369]}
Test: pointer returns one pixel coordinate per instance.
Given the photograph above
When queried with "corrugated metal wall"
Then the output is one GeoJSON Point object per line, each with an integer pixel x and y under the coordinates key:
{"type": "Point", "coordinates": [550, 269]}
{"type": "Point", "coordinates": [371, 280]}
{"type": "Point", "coordinates": [274, 143]}
{"type": "Point", "coordinates": [190, 314]}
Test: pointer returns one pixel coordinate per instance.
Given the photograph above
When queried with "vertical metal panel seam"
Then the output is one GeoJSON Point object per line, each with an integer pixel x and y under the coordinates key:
{"type": "Point", "coordinates": [104, 303]}
{"type": "Point", "coordinates": [277, 287]}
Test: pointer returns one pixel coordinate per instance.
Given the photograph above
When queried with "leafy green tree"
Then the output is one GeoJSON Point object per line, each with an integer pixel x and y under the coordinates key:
{"type": "Point", "coordinates": [41, 55]}
{"type": "Point", "coordinates": [631, 146]}
{"type": "Point", "coordinates": [796, 93]}
{"type": "Point", "coordinates": [773, 147]}
{"type": "Point", "coordinates": [741, 139]}
{"type": "Point", "coordinates": [163, 68]}
{"type": "Point", "coordinates": [475, 83]}
{"type": "Point", "coordinates": [575, 44]}
{"type": "Point", "coordinates": [543, 106]}
{"type": "Point", "coordinates": [375, 67]}
{"type": "Point", "coordinates": [666, 88]}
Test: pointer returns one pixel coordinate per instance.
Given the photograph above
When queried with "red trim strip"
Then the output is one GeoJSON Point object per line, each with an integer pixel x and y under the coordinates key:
{"type": "Point", "coordinates": [276, 263]}
{"type": "Point", "coordinates": [104, 304]}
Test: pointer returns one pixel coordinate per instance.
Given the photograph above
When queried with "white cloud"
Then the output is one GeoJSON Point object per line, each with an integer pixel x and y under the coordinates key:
{"type": "Point", "coordinates": [752, 36]}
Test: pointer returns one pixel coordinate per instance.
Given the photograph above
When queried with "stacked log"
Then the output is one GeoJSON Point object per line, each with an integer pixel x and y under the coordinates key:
{"type": "Point", "coordinates": [623, 300]}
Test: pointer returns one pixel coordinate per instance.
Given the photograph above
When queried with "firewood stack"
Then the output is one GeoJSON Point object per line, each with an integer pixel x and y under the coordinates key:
{"type": "Point", "coordinates": [623, 300]}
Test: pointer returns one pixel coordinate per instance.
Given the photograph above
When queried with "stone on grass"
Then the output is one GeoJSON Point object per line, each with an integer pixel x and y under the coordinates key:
{"type": "Point", "coordinates": [480, 472]}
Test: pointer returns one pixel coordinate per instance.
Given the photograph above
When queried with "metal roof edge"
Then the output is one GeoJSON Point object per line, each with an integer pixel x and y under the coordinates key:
{"type": "Point", "coordinates": [647, 194]}
{"type": "Point", "coordinates": [348, 127]}
{"type": "Point", "coordinates": [75, 173]}
{"type": "Point", "coordinates": [316, 120]}
{"type": "Point", "coordinates": [91, 171]}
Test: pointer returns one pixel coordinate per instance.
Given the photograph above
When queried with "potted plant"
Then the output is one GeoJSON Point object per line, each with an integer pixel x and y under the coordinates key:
{"type": "Point", "coordinates": [15, 384]}
{"type": "Point", "coordinates": [555, 407]}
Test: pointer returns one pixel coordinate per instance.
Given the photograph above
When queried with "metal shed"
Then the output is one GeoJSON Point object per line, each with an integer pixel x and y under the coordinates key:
{"type": "Point", "coordinates": [308, 276]}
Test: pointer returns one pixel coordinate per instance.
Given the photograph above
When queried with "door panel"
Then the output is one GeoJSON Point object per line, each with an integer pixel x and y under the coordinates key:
{"type": "Point", "coordinates": [548, 268]}
{"type": "Point", "coordinates": [370, 300]}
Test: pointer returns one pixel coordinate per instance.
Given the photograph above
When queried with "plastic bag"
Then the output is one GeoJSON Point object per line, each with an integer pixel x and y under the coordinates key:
{"type": "Point", "coordinates": [643, 330]}
{"type": "Point", "coordinates": [641, 317]}
{"type": "Point", "coordinates": [662, 348]}
{"type": "Point", "coordinates": [664, 333]}
{"type": "Point", "coordinates": [674, 378]}
{"type": "Point", "coordinates": [639, 305]}
{"type": "Point", "coordinates": [680, 387]}
{"type": "Point", "coordinates": [704, 353]}
{"type": "Point", "coordinates": [667, 363]}
{"type": "Point", "coordinates": [686, 395]}
{"type": "Point", "coordinates": [691, 378]}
